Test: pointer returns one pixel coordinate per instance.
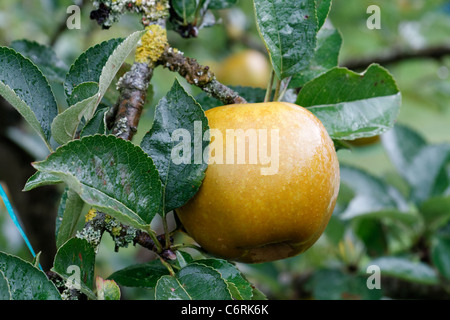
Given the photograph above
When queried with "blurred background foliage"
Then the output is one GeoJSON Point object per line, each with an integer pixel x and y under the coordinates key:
{"type": "Point", "coordinates": [378, 219]}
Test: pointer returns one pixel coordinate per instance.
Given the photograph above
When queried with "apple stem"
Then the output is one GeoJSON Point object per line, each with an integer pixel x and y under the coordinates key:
{"type": "Point", "coordinates": [269, 87]}
{"type": "Point", "coordinates": [276, 96]}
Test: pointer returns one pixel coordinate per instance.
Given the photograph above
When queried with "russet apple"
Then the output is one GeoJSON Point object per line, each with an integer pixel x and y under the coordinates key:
{"type": "Point", "coordinates": [245, 213]}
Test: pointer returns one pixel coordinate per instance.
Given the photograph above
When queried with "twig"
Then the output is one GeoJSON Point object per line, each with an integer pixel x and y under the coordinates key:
{"type": "Point", "coordinates": [437, 53]}
{"type": "Point", "coordinates": [198, 75]}
{"type": "Point", "coordinates": [133, 93]}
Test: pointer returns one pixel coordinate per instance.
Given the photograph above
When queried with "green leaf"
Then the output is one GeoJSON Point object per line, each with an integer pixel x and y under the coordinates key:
{"type": "Point", "coordinates": [329, 284]}
{"type": "Point", "coordinates": [241, 288]}
{"type": "Point", "coordinates": [89, 65]}
{"type": "Point", "coordinates": [40, 179]}
{"type": "Point", "coordinates": [26, 282]}
{"type": "Point", "coordinates": [406, 269]}
{"type": "Point", "coordinates": [5, 290]}
{"type": "Point", "coordinates": [431, 177]}
{"type": "Point", "coordinates": [323, 8]}
{"type": "Point", "coordinates": [170, 288]}
{"type": "Point", "coordinates": [185, 8]}
{"type": "Point", "coordinates": [288, 29]}
{"type": "Point", "coordinates": [110, 174]}
{"type": "Point", "coordinates": [98, 65]}
{"type": "Point", "coordinates": [82, 92]}
{"type": "Point", "coordinates": [193, 282]}
{"type": "Point", "coordinates": [258, 294]}
{"type": "Point", "coordinates": [373, 197]}
{"type": "Point", "coordinates": [402, 145]}
{"type": "Point", "coordinates": [65, 125]}
{"type": "Point", "coordinates": [107, 289]}
{"type": "Point", "coordinates": [436, 212]}
{"type": "Point", "coordinates": [352, 105]}
{"type": "Point", "coordinates": [24, 86]}
{"type": "Point", "coordinates": [372, 233]}
{"type": "Point", "coordinates": [69, 210]}
{"type": "Point", "coordinates": [44, 57]}
{"type": "Point", "coordinates": [75, 263]}
{"type": "Point", "coordinates": [175, 143]}
{"type": "Point", "coordinates": [326, 56]}
{"type": "Point", "coordinates": [183, 258]}
{"type": "Point", "coordinates": [221, 4]}
{"type": "Point", "coordinates": [422, 165]}
{"type": "Point", "coordinates": [440, 252]}
{"type": "Point", "coordinates": [97, 124]}
{"type": "Point", "coordinates": [143, 275]}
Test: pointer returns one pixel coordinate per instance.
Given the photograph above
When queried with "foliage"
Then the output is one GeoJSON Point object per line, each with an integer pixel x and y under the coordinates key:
{"type": "Point", "coordinates": [399, 223]}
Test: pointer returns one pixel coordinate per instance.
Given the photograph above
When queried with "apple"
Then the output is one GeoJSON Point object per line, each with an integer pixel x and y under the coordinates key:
{"type": "Point", "coordinates": [272, 196]}
{"type": "Point", "coordinates": [248, 68]}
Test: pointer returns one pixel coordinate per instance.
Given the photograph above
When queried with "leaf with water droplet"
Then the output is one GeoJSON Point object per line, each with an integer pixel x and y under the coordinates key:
{"type": "Point", "coordinates": [26, 282]}
{"type": "Point", "coordinates": [288, 29]}
{"type": "Point", "coordinates": [111, 174]}
{"type": "Point", "coordinates": [24, 86]}
{"type": "Point", "coordinates": [176, 143]}
{"type": "Point", "coordinates": [353, 105]}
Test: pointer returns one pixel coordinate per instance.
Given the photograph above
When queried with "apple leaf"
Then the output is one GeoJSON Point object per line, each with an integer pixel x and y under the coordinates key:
{"type": "Point", "coordinates": [184, 8]}
{"type": "Point", "coordinates": [69, 212]}
{"type": "Point", "coordinates": [352, 105]}
{"type": "Point", "coordinates": [110, 174]}
{"type": "Point", "coordinates": [143, 275]}
{"type": "Point", "coordinates": [25, 281]}
{"type": "Point", "coordinates": [65, 125]}
{"type": "Point", "coordinates": [5, 290]}
{"type": "Point", "coordinates": [323, 8]}
{"type": "Point", "coordinates": [221, 4]}
{"type": "Point", "coordinates": [24, 86]}
{"type": "Point", "coordinates": [402, 145]}
{"type": "Point", "coordinates": [44, 57]}
{"type": "Point", "coordinates": [436, 212]}
{"type": "Point", "coordinates": [75, 263]}
{"type": "Point", "coordinates": [238, 286]}
{"type": "Point", "coordinates": [176, 143]}
{"type": "Point", "coordinates": [332, 284]}
{"type": "Point", "coordinates": [440, 252]}
{"type": "Point", "coordinates": [288, 29]}
{"type": "Point", "coordinates": [107, 289]}
{"type": "Point", "coordinates": [326, 57]}
{"type": "Point", "coordinates": [406, 269]}
{"type": "Point", "coordinates": [89, 65]}
{"type": "Point", "coordinates": [422, 165]}
{"type": "Point", "coordinates": [193, 282]}
{"type": "Point", "coordinates": [97, 124]}
{"type": "Point", "coordinates": [87, 83]}
{"type": "Point", "coordinates": [373, 197]}
{"type": "Point", "coordinates": [40, 179]}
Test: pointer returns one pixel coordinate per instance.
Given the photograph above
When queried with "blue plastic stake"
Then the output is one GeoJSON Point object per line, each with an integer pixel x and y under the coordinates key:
{"type": "Point", "coordinates": [16, 221]}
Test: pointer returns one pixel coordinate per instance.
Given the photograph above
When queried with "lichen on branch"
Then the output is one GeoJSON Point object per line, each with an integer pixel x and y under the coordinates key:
{"type": "Point", "coordinates": [198, 75]}
{"type": "Point", "coordinates": [109, 11]}
{"type": "Point", "coordinates": [152, 45]}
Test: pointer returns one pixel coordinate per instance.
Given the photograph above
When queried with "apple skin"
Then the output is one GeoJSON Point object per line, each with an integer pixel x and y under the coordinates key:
{"type": "Point", "coordinates": [248, 68]}
{"type": "Point", "coordinates": [240, 214]}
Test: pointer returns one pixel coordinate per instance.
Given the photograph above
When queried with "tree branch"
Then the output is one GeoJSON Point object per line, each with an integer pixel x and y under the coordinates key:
{"type": "Point", "coordinates": [198, 75]}
{"type": "Point", "coordinates": [124, 117]}
{"type": "Point", "coordinates": [437, 53]}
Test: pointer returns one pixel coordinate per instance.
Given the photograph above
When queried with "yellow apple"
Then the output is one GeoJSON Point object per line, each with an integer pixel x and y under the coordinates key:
{"type": "Point", "coordinates": [248, 68]}
{"type": "Point", "coordinates": [274, 201]}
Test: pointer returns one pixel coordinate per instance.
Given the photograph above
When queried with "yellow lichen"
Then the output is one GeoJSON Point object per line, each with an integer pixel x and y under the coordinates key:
{"type": "Point", "coordinates": [90, 215]}
{"type": "Point", "coordinates": [152, 45]}
{"type": "Point", "coordinates": [115, 231]}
